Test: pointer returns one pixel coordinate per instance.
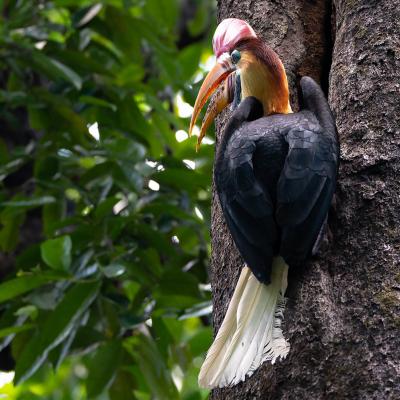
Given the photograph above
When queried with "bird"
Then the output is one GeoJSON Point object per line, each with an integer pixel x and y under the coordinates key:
{"type": "Point", "coordinates": [275, 173]}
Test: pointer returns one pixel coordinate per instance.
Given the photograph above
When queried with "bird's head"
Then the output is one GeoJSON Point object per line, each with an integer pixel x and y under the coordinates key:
{"type": "Point", "coordinates": [245, 66]}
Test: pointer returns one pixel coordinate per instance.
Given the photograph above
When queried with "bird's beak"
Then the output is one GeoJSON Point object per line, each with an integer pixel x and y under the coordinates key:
{"type": "Point", "coordinates": [221, 77]}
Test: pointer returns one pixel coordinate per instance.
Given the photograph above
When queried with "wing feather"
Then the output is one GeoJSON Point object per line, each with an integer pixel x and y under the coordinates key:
{"type": "Point", "coordinates": [305, 188]}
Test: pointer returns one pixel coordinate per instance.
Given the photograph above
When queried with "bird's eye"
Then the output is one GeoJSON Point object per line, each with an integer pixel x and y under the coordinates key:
{"type": "Point", "coordinates": [235, 56]}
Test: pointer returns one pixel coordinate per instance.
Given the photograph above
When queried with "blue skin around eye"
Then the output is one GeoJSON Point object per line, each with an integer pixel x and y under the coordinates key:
{"type": "Point", "coordinates": [235, 56]}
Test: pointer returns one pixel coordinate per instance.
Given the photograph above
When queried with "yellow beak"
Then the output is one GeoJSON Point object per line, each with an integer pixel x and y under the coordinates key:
{"type": "Point", "coordinates": [216, 79]}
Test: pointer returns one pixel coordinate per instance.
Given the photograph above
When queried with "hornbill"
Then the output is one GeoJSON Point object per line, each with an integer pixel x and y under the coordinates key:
{"type": "Point", "coordinates": [275, 174]}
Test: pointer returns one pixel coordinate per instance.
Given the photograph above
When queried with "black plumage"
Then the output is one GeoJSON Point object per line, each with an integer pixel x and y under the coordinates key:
{"type": "Point", "coordinates": [275, 177]}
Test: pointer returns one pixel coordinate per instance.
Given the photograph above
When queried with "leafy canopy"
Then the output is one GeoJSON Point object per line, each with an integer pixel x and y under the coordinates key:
{"type": "Point", "coordinates": [103, 220]}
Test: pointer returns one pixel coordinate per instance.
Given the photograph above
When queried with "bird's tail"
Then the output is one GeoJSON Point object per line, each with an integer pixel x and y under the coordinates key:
{"type": "Point", "coordinates": [251, 331]}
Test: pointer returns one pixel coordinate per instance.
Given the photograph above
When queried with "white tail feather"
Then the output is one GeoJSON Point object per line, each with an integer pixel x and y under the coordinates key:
{"type": "Point", "coordinates": [251, 331]}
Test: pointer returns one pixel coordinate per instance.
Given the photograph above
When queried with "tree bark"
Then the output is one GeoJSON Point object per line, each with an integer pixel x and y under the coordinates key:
{"type": "Point", "coordinates": [343, 313]}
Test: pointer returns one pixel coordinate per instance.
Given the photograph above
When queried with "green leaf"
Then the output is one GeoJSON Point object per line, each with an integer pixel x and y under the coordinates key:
{"type": "Point", "coordinates": [64, 119]}
{"type": "Point", "coordinates": [55, 328]}
{"type": "Point", "coordinates": [182, 179]}
{"type": "Point", "coordinates": [152, 366]}
{"type": "Point", "coordinates": [9, 231]}
{"type": "Point", "coordinates": [85, 337]}
{"type": "Point", "coordinates": [114, 270]}
{"type": "Point", "coordinates": [105, 207]}
{"type": "Point", "coordinates": [81, 62]}
{"type": "Point", "coordinates": [200, 341]}
{"type": "Point", "coordinates": [55, 69]}
{"type": "Point", "coordinates": [89, 14]}
{"type": "Point", "coordinates": [162, 336]}
{"type": "Point", "coordinates": [57, 355]}
{"type": "Point", "coordinates": [107, 44]}
{"type": "Point", "coordinates": [177, 290]}
{"type": "Point", "coordinates": [122, 387]}
{"type": "Point", "coordinates": [68, 74]}
{"type": "Point", "coordinates": [32, 202]}
{"type": "Point", "coordinates": [56, 253]}
{"type": "Point", "coordinates": [13, 98]}
{"type": "Point", "coordinates": [199, 310]}
{"type": "Point", "coordinates": [51, 213]}
{"type": "Point", "coordinates": [189, 60]}
{"type": "Point", "coordinates": [12, 330]}
{"type": "Point", "coordinates": [29, 310]}
{"type": "Point", "coordinates": [102, 367]}
{"type": "Point", "coordinates": [25, 283]}
{"type": "Point", "coordinates": [163, 12]}
{"type": "Point", "coordinates": [95, 101]}
{"type": "Point", "coordinates": [46, 168]}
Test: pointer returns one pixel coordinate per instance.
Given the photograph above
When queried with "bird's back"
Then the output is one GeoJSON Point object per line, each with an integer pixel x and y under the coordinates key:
{"type": "Point", "coordinates": [271, 147]}
{"type": "Point", "coordinates": [275, 177]}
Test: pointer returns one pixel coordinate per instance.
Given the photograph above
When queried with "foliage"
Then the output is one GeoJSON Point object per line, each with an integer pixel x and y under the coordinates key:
{"type": "Point", "coordinates": [105, 223]}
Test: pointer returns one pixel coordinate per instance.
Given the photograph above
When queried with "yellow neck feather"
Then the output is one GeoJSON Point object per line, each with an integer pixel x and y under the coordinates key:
{"type": "Point", "coordinates": [270, 87]}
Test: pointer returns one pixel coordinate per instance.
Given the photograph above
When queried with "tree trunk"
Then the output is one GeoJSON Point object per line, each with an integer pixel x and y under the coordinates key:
{"type": "Point", "coordinates": [343, 314]}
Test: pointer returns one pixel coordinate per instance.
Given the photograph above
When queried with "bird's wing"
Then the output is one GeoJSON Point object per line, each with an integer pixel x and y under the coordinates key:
{"type": "Point", "coordinates": [247, 206]}
{"type": "Point", "coordinates": [305, 187]}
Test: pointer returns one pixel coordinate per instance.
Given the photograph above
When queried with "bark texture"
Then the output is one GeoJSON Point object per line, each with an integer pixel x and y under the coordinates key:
{"type": "Point", "coordinates": [343, 315]}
